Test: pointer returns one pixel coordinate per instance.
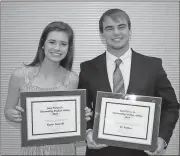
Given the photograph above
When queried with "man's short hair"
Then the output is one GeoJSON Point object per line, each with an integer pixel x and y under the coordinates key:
{"type": "Point", "coordinates": [115, 14]}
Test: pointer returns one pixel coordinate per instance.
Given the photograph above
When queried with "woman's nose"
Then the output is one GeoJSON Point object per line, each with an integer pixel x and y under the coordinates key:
{"type": "Point", "coordinates": [57, 46]}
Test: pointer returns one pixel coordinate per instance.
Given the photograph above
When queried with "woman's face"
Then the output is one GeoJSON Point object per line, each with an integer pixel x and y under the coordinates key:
{"type": "Point", "coordinates": [56, 46]}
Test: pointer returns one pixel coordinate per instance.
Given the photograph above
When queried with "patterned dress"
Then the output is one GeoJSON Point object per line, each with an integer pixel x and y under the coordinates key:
{"type": "Point", "coordinates": [59, 149]}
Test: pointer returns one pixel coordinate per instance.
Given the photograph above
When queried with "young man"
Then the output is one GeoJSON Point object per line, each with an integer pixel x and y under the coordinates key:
{"type": "Point", "coordinates": [133, 74]}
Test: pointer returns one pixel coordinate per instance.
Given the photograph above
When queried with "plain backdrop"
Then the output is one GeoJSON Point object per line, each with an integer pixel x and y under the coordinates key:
{"type": "Point", "coordinates": [155, 32]}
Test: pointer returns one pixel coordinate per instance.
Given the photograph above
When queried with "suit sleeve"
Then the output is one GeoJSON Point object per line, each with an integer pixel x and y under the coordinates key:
{"type": "Point", "coordinates": [170, 105]}
{"type": "Point", "coordinates": [83, 84]}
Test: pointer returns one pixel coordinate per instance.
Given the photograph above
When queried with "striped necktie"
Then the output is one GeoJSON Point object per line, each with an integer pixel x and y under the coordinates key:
{"type": "Point", "coordinates": [118, 82]}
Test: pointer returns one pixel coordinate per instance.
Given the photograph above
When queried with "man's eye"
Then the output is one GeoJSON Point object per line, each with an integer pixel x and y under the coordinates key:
{"type": "Point", "coordinates": [122, 26]}
{"type": "Point", "coordinates": [109, 29]}
{"type": "Point", "coordinates": [63, 44]}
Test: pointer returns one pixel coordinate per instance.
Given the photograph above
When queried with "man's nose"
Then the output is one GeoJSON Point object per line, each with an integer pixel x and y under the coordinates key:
{"type": "Point", "coordinates": [116, 31]}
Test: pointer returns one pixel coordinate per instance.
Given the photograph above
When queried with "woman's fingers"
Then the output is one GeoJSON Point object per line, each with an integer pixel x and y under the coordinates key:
{"type": "Point", "coordinates": [88, 112]}
{"type": "Point", "coordinates": [87, 118]}
{"type": "Point", "coordinates": [17, 119]}
{"type": "Point", "coordinates": [16, 114]}
{"type": "Point", "coordinates": [14, 111]}
{"type": "Point", "coordinates": [19, 108]}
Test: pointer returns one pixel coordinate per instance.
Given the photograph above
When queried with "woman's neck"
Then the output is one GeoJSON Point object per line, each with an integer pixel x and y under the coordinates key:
{"type": "Point", "coordinates": [50, 68]}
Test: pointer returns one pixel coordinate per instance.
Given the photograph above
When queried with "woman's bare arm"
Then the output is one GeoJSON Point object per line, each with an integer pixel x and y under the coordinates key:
{"type": "Point", "coordinates": [12, 111]}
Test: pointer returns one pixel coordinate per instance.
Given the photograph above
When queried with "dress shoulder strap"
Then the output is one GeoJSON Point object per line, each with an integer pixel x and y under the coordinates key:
{"type": "Point", "coordinates": [68, 76]}
{"type": "Point", "coordinates": [26, 75]}
{"type": "Point", "coordinates": [71, 76]}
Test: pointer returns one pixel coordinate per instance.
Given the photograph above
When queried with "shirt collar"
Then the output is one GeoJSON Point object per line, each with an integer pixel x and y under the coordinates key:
{"type": "Point", "coordinates": [112, 58]}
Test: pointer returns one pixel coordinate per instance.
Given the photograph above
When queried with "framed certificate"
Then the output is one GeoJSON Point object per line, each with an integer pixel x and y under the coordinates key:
{"type": "Point", "coordinates": [129, 121]}
{"type": "Point", "coordinates": [53, 117]}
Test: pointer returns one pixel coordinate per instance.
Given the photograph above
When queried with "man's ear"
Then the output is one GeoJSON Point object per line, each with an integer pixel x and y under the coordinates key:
{"type": "Point", "coordinates": [102, 38]}
{"type": "Point", "coordinates": [130, 34]}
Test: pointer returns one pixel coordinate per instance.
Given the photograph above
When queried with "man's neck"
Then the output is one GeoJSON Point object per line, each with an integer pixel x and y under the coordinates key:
{"type": "Point", "coordinates": [118, 53]}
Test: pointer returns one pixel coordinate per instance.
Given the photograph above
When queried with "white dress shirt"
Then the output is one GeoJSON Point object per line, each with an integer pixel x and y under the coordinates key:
{"type": "Point", "coordinates": [125, 67]}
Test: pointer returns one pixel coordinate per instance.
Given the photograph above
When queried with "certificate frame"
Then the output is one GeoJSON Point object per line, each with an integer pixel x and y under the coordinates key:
{"type": "Point", "coordinates": [125, 136]}
{"type": "Point", "coordinates": [70, 104]}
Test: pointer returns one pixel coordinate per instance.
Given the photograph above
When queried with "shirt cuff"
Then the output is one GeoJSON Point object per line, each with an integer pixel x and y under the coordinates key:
{"type": "Point", "coordinates": [165, 144]}
{"type": "Point", "coordinates": [88, 131]}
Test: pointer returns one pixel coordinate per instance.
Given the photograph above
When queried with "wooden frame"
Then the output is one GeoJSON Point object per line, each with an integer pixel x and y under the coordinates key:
{"type": "Point", "coordinates": [53, 117]}
{"type": "Point", "coordinates": [129, 121]}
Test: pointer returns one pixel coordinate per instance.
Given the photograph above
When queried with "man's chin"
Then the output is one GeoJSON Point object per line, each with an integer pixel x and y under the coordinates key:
{"type": "Point", "coordinates": [117, 48]}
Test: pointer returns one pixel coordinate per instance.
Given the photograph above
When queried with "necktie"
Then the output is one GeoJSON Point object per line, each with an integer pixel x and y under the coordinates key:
{"type": "Point", "coordinates": [118, 82]}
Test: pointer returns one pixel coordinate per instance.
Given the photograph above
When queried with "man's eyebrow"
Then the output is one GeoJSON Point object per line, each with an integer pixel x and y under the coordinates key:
{"type": "Point", "coordinates": [108, 27]}
{"type": "Point", "coordinates": [123, 24]}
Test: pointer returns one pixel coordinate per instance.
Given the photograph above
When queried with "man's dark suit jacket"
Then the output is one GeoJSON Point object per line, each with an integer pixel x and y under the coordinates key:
{"type": "Point", "coordinates": [147, 77]}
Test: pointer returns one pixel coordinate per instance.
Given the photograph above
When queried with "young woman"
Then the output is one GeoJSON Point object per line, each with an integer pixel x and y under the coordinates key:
{"type": "Point", "coordinates": [50, 70]}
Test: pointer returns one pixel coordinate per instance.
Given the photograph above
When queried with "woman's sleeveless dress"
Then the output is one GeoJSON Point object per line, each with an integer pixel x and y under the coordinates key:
{"type": "Point", "coordinates": [59, 149]}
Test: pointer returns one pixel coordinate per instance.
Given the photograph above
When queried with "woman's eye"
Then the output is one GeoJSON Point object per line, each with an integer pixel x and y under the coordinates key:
{"type": "Point", "coordinates": [52, 42]}
{"type": "Point", "coordinates": [63, 44]}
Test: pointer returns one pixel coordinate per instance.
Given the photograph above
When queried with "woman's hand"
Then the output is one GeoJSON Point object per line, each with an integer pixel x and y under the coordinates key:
{"type": "Point", "coordinates": [14, 114]}
{"type": "Point", "coordinates": [88, 114]}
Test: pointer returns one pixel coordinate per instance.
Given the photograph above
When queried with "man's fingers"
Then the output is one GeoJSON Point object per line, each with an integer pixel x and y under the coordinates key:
{"type": "Point", "coordinates": [101, 146]}
{"type": "Point", "coordinates": [90, 144]}
{"type": "Point", "coordinates": [93, 145]}
{"type": "Point", "coordinates": [96, 146]}
{"type": "Point", "coordinates": [160, 147]}
{"type": "Point", "coordinates": [19, 108]}
{"type": "Point", "coordinates": [148, 152]}
{"type": "Point", "coordinates": [158, 151]}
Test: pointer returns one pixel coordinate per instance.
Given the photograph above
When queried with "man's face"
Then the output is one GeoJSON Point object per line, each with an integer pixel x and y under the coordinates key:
{"type": "Point", "coordinates": [116, 33]}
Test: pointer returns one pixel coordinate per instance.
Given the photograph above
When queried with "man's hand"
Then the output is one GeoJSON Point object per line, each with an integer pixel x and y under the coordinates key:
{"type": "Point", "coordinates": [160, 148]}
{"type": "Point", "coordinates": [91, 143]}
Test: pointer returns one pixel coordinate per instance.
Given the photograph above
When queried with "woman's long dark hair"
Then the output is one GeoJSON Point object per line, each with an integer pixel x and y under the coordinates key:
{"type": "Point", "coordinates": [55, 26]}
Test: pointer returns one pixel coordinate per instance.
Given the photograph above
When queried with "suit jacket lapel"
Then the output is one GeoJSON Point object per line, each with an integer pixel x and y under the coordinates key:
{"type": "Point", "coordinates": [136, 67]}
{"type": "Point", "coordinates": [102, 76]}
